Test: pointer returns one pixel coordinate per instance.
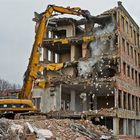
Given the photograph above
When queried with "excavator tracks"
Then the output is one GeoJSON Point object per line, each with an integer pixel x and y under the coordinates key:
{"type": "Point", "coordinates": [30, 115]}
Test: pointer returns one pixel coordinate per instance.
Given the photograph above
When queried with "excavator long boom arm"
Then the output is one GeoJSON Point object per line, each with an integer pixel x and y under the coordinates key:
{"type": "Point", "coordinates": [32, 70]}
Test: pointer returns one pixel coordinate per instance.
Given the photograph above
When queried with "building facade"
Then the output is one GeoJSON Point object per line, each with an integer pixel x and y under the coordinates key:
{"type": "Point", "coordinates": [93, 66]}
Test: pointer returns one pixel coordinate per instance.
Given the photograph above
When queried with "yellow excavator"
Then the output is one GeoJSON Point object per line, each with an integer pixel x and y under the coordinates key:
{"type": "Point", "coordinates": [24, 102]}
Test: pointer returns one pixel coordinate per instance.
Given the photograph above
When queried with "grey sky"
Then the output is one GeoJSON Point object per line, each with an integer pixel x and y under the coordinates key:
{"type": "Point", "coordinates": [17, 29]}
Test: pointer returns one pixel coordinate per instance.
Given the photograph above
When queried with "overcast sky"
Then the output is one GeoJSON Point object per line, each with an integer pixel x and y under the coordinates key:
{"type": "Point", "coordinates": [17, 29]}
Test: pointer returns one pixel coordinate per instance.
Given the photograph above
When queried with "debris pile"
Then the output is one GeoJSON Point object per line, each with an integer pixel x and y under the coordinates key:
{"type": "Point", "coordinates": [9, 130]}
{"type": "Point", "coordinates": [52, 129]}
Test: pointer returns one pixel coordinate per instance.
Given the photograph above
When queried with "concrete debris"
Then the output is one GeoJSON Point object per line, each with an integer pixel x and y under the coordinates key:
{"type": "Point", "coordinates": [10, 130]}
{"type": "Point", "coordinates": [52, 129]}
{"type": "Point", "coordinates": [83, 96]}
{"type": "Point", "coordinates": [81, 129]}
{"type": "Point", "coordinates": [89, 132]}
{"type": "Point", "coordinates": [42, 134]}
{"type": "Point", "coordinates": [103, 137]}
{"type": "Point", "coordinates": [45, 132]}
{"type": "Point", "coordinates": [30, 127]}
{"type": "Point", "coordinates": [14, 127]}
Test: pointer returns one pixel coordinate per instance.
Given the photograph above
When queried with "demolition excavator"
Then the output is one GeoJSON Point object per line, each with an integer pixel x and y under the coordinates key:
{"type": "Point", "coordinates": [23, 104]}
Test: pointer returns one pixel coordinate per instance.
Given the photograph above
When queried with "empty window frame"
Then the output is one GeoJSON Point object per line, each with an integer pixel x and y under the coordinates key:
{"type": "Point", "coordinates": [131, 52]}
{"type": "Point", "coordinates": [125, 100]}
{"type": "Point", "coordinates": [139, 60]}
{"type": "Point", "coordinates": [138, 39]}
{"type": "Point", "coordinates": [133, 102]}
{"type": "Point", "coordinates": [128, 70]}
{"type": "Point", "coordinates": [123, 44]}
{"type": "Point", "coordinates": [139, 79]}
{"type": "Point", "coordinates": [132, 73]}
{"type": "Point", "coordinates": [129, 101]}
{"type": "Point", "coordinates": [135, 53]}
{"type": "Point", "coordinates": [131, 31]}
{"type": "Point", "coordinates": [135, 37]}
{"type": "Point", "coordinates": [127, 28]}
{"type": "Point", "coordinates": [139, 104]}
{"type": "Point", "coordinates": [124, 68]}
{"type": "Point", "coordinates": [128, 52]}
{"type": "Point", "coordinates": [136, 79]}
{"type": "Point", "coordinates": [119, 99]}
{"type": "Point", "coordinates": [122, 23]}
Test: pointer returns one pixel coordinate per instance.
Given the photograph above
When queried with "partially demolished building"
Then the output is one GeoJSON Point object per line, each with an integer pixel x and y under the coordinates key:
{"type": "Point", "coordinates": [93, 67]}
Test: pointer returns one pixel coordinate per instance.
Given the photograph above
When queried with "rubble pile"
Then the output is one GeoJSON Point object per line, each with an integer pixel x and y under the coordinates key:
{"type": "Point", "coordinates": [52, 129]}
{"type": "Point", "coordinates": [9, 130]}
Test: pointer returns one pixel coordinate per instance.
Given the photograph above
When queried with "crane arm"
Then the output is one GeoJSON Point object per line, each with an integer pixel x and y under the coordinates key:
{"type": "Point", "coordinates": [32, 69]}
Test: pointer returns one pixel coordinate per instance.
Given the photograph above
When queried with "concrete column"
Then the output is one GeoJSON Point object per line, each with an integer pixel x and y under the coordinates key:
{"type": "Point", "coordinates": [116, 126]}
{"type": "Point", "coordinates": [72, 100]}
{"type": "Point", "coordinates": [122, 103]}
{"type": "Point", "coordinates": [70, 30]}
{"type": "Point", "coordinates": [58, 58]}
{"type": "Point", "coordinates": [125, 126]}
{"type": "Point", "coordinates": [49, 100]}
{"type": "Point", "coordinates": [75, 52]}
{"type": "Point", "coordinates": [72, 52]}
{"type": "Point", "coordinates": [85, 105]}
{"type": "Point", "coordinates": [84, 49]}
{"type": "Point", "coordinates": [116, 98]}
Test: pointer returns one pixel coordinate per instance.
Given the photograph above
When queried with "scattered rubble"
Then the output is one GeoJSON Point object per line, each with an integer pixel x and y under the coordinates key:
{"type": "Point", "coordinates": [53, 129]}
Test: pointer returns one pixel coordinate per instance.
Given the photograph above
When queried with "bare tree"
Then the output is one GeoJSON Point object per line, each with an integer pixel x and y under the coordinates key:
{"type": "Point", "coordinates": [5, 85]}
